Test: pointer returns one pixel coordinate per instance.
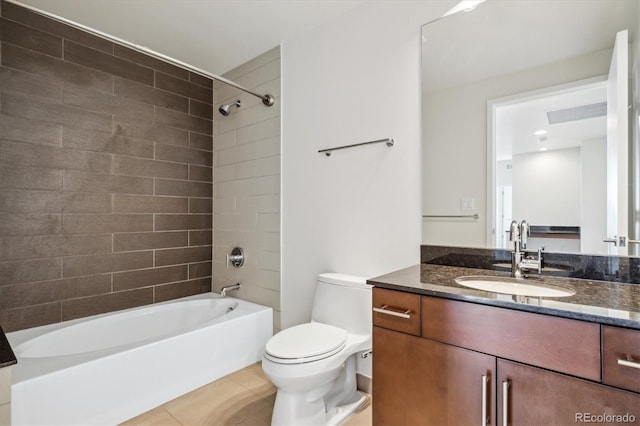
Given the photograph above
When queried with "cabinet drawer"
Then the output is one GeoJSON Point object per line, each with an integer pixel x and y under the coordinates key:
{"type": "Point", "coordinates": [621, 357]}
{"type": "Point", "coordinates": [396, 310]}
{"type": "Point", "coordinates": [560, 344]}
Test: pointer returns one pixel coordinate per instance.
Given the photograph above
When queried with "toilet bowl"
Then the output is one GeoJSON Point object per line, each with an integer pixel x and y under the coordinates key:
{"type": "Point", "coordinates": [313, 365]}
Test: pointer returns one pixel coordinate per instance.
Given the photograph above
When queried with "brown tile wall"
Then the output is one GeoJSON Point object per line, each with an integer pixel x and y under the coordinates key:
{"type": "Point", "coordinates": [105, 175]}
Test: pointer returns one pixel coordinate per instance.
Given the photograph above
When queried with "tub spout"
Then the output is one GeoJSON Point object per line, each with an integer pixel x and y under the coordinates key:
{"type": "Point", "coordinates": [223, 291]}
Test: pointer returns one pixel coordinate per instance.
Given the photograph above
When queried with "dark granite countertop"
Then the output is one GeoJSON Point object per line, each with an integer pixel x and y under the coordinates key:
{"type": "Point", "coordinates": [7, 356]}
{"type": "Point", "coordinates": [604, 302]}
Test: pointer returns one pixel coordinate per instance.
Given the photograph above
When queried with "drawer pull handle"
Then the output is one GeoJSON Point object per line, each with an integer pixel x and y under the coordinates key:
{"type": "Point", "coordinates": [631, 364]}
{"type": "Point", "coordinates": [384, 310]}
{"type": "Point", "coordinates": [505, 403]}
{"type": "Point", "coordinates": [485, 382]}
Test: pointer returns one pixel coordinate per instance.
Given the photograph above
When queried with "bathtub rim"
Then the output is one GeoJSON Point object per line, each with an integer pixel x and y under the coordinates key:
{"type": "Point", "coordinates": [31, 368]}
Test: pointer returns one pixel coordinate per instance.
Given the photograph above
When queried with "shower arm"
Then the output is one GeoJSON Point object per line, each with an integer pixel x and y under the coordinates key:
{"type": "Point", "coordinates": [267, 99]}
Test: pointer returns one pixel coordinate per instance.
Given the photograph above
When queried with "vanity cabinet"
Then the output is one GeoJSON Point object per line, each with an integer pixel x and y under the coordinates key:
{"type": "Point", "coordinates": [469, 364]}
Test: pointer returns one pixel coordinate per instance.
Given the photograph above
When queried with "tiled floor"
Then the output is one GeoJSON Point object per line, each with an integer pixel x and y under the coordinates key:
{"type": "Point", "coordinates": [245, 397]}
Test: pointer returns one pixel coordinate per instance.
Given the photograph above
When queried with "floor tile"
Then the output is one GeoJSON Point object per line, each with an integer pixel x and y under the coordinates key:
{"type": "Point", "coordinates": [244, 398]}
{"type": "Point", "coordinates": [156, 417]}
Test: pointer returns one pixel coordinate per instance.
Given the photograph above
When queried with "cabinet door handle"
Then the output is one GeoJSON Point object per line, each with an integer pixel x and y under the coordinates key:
{"type": "Point", "coordinates": [384, 310]}
{"type": "Point", "coordinates": [505, 403]}
{"type": "Point", "coordinates": [485, 383]}
{"type": "Point", "coordinates": [627, 363]}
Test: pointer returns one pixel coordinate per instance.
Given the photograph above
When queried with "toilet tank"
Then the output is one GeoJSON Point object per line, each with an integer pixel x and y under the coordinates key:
{"type": "Point", "coordinates": [343, 301]}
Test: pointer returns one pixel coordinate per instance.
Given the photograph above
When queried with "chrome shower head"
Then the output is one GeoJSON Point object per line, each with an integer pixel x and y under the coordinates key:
{"type": "Point", "coordinates": [226, 109]}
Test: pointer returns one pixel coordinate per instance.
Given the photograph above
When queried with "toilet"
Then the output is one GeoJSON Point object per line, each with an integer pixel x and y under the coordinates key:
{"type": "Point", "coordinates": [313, 365]}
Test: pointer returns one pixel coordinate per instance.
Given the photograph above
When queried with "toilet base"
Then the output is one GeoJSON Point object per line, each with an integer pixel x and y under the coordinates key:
{"type": "Point", "coordinates": [314, 414]}
{"type": "Point", "coordinates": [340, 414]}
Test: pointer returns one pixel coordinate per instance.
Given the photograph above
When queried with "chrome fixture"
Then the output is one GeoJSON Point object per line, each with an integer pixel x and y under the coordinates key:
{"type": "Point", "coordinates": [267, 100]}
{"type": "Point", "coordinates": [226, 109]}
{"type": "Point", "coordinates": [367, 354]}
{"type": "Point", "coordinates": [520, 263]}
{"type": "Point", "coordinates": [236, 257]}
{"type": "Point", "coordinates": [223, 290]}
{"type": "Point", "coordinates": [454, 216]}
{"type": "Point", "coordinates": [327, 151]}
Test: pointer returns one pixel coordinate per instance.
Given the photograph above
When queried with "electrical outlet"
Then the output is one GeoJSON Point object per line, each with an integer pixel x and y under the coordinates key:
{"type": "Point", "coordinates": [467, 204]}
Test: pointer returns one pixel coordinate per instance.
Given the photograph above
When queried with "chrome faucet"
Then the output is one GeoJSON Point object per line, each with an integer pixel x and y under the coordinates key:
{"type": "Point", "coordinates": [520, 263]}
{"type": "Point", "coordinates": [223, 291]}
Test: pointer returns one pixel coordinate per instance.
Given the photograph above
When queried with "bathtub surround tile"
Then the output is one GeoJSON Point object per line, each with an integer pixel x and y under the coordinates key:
{"type": "Point", "coordinates": [56, 69]}
{"type": "Point", "coordinates": [124, 203]}
{"type": "Point", "coordinates": [247, 183]}
{"type": "Point", "coordinates": [31, 85]}
{"type": "Point", "coordinates": [182, 187]}
{"type": "Point", "coordinates": [93, 182]}
{"type": "Point", "coordinates": [41, 292]}
{"type": "Point", "coordinates": [149, 277]}
{"type": "Point", "coordinates": [152, 168]}
{"type": "Point", "coordinates": [76, 223]}
{"type": "Point", "coordinates": [41, 22]}
{"type": "Point", "coordinates": [21, 271]}
{"type": "Point", "coordinates": [182, 255]}
{"type": "Point", "coordinates": [36, 246]}
{"type": "Point", "coordinates": [83, 55]}
{"type": "Point", "coordinates": [30, 316]}
{"type": "Point", "coordinates": [40, 133]}
{"type": "Point", "coordinates": [20, 177]}
{"type": "Point", "coordinates": [106, 103]}
{"type": "Point", "coordinates": [170, 222]}
{"type": "Point", "coordinates": [30, 224]}
{"type": "Point", "coordinates": [27, 201]}
{"type": "Point", "coordinates": [149, 61]}
{"type": "Point", "coordinates": [200, 141]}
{"type": "Point", "coordinates": [104, 263]}
{"type": "Point", "coordinates": [200, 173]}
{"type": "Point", "coordinates": [184, 88]}
{"type": "Point", "coordinates": [141, 92]}
{"type": "Point", "coordinates": [162, 293]}
{"type": "Point", "coordinates": [201, 80]}
{"type": "Point", "coordinates": [200, 205]}
{"type": "Point", "coordinates": [200, 238]}
{"type": "Point", "coordinates": [149, 240]}
{"type": "Point", "coordinates": [202, 269]}
{"type": "Point", "coordinates": [105, 167]}
{"type": "Point", "coordinates": [47, 156]}
{"type": "Point", "coordinates": [93, 305]}
{"type": "Point", "coordinates": [150, 131]}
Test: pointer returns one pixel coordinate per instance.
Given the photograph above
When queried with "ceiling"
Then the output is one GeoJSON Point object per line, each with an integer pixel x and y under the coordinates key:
{"type": "Point", "coordinates": [502, 37]}
{"type": "Point", "coordinates": [213, 35]}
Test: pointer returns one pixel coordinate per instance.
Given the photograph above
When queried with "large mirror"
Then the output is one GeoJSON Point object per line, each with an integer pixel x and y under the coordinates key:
{"type": "Point", "coordinates": [530, 113]}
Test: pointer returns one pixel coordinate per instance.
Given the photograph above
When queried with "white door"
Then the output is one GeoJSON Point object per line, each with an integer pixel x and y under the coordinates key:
{"type": "Point", "coordinates": [618, 147]}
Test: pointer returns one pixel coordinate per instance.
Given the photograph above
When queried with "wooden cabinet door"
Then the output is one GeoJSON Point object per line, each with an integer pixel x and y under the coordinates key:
{"type": "Point", "coordinates": [540, 397]}
{"type": "Point", "coordinates": [422, 382]}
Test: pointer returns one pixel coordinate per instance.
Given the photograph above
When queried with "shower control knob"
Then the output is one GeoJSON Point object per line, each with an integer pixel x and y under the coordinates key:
{"type": "Point", "coordinates": [236, 257]}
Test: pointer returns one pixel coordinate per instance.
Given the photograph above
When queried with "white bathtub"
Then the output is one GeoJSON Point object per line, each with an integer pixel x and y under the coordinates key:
{"type": "Point", "coordinates": [108, 368]}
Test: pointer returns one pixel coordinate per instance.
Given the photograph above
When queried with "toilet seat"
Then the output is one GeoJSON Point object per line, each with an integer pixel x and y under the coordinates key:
{"type": "Point", "coordinates": [305, 343]}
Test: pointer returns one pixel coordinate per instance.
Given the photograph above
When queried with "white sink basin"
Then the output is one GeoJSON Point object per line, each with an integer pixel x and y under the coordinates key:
{"type": "Point", "coordinates": [520, 287]}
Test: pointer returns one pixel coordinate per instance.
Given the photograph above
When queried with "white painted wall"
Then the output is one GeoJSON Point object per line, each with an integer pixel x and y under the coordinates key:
{"type": "Point", "coordinates": [546, 187]}
{"type": "Point", "coordinates": [593, 210]}
{"type": "Point", "coordinates": [455, 128]}
{"type": "Point", "coordinates": [358, 211]}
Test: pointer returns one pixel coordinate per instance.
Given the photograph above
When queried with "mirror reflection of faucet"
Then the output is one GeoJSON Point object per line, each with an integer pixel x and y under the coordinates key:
{"type": "Point", "coordinates": [520, 263]}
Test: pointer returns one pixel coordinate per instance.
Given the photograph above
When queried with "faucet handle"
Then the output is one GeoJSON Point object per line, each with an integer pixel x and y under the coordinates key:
{"type": "Point", "coordinates": [525, 232]}
{"type": "Point", "coordinates": [514, 232]}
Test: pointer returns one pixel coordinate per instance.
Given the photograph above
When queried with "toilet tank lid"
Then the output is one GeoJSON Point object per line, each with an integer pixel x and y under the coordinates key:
{"type": "Point", "coordinates": [343, 279]}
